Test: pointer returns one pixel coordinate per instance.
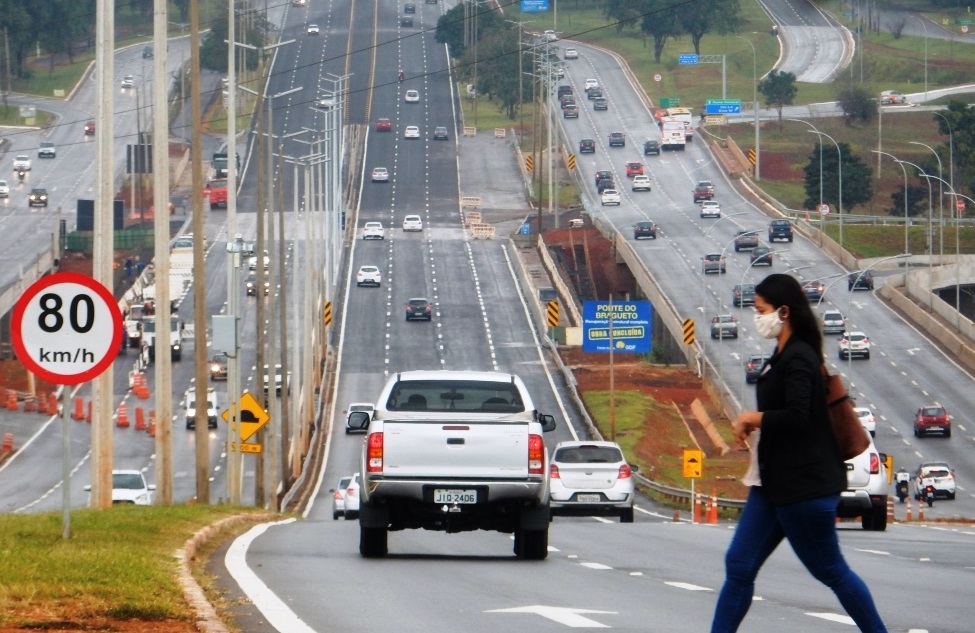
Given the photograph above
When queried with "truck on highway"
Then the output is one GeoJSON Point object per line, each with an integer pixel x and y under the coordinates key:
{"type": "Point", "coordinates": [216, 192]}
{"type": "Point", "coordinates": [673, 134]}
{"type": "Point", "coordinates": [687, 117]}
{"type": "Point", "coordinates": [454, 451]}
{"type": "Point", "coordinates": [219, 167]}
{"type": "Point", "coordinates": [150, 339]}
{"type": "Point", "coordinates": [133, 322]}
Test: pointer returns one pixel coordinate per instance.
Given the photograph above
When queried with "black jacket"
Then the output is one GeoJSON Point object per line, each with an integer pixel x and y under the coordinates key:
{"type": "Point", "coordinates": [798, 457]}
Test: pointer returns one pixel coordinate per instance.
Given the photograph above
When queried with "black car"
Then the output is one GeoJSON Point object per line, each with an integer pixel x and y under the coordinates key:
{"type": "Point", "coordinates": [616, 139]}
{"type": "Point", "coordinates": [594, 93]}
{"type": "Point", "coordinates": [37, 197]}
{"type": "Point", "coordinates": [409, 7]}
{"type": "Point", "coordinates": [644, 229]}
{"type": "Point", "coordinates": [567, 100]}
{"type": "Point", "coordinates": [780, 230]}
{"type": "Point", "coordinates": [754, 365]}
{"type": "Point", "coordinates": [743, 295]}
{"type": "Point", "coordinates": [587, 146]}
{"type": "Point", "coordinates": [440, 133]}
{"type": "Point", "coordinates": [406, 20]}
{"type": "Point", "coordinates": [651, 147]}
{"type": "Point", "coordinates": [860, 281]}
{"type": "Point", "coordinates": [814, 290]}
{"type": "Point", "coordinates": [419, 308]}
{"type": "Point", "coordinates": [602, 175]}
{"type": "Point", "coordinates": [761, 256]}
{"type": "Point", "coordinates": [600, 103]}
{"type": "Point", "coordinates": [218, 366]}
{"type": "Point", "coordinates": [604, 184]}
{"type": "Point", "coordinates": [564, 90]}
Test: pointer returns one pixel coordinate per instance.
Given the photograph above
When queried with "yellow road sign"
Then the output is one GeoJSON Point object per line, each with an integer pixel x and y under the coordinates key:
{"type": "Point", "coordinates": [328, 313]}
{"type": "Point", "coordinates": [693, 463]}
{"type": "Point", "coordinates": [571, 162]}
{"type": "Point", "coordinates": [688, 331]}
{"type": "Point", "coordinates": [250, 448]}
{"type": "Point", "coordinates": [529, 163]}
{"type": "Point", "coordinates": [552, 311]}
{"type": "Point", "coordinates": [252, 416]}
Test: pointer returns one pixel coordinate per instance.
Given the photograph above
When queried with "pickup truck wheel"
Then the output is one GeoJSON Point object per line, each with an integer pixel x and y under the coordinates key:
{"type": "Point", "coordinates": [626, 515]}
{"type": "Point", "coordinates": [372, 542]}
{"type": "Point", "coordinates": [532, 543]}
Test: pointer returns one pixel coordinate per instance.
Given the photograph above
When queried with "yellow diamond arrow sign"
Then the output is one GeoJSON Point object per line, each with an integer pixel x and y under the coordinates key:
{"type": "Point", "coordinates": [252, 416]}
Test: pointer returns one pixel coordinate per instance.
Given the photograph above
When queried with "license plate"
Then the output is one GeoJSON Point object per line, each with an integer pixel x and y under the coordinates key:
{"type": "Point", "coordinates": [588, 498]}
{"type": "Point", "coordinates": [442, 495]}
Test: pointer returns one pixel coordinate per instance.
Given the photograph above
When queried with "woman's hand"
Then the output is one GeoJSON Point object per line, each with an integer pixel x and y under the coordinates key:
{"type": "Point", "coordinates": [745, 423]}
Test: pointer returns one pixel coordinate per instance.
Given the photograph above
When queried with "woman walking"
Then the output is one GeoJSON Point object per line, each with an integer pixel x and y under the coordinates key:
{"type": "Point", "coordinates": [796, 472]}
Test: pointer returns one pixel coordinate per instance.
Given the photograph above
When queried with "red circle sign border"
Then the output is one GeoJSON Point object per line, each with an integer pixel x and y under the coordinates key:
{"type": "Point", "coordinates": [21, 306]}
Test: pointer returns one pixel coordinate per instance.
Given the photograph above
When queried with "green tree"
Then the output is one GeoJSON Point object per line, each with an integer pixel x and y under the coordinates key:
{"type": "Point", "coordinates": [450, 31]}
{"type": "Point", "coordinates": [67, 25]}
{"type": "Point", "coordinates": [857, 179]}
{"type": "Point", "coordinates": [778, 89]}
{"type": "Point", "coordinates": [455, 26]}
{"type": "Point", "coordinates": [660, 23]}
{"type": "Point", "coordinates": [213, 48]}
{"type": "Point", "coordinates": [961, 136]}
{"type": "Point", "coordinates": [626, 13]}
{"type": "Point", "coordinates": [498, 75]}
{"type": "Point", "coordinates": [697, 19]}
{"type": "Point", "coordinates": [916, 195]}
{"type": "Point", "coordinates": [858, 104]}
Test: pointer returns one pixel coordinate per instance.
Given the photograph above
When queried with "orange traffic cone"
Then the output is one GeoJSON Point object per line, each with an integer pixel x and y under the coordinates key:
{"type": "Point", "coordinates": [141, 387]}
{"type": "Point", "coordinates": [140, 419]}
{"type": "Point", "coordinates": [122, 421]}
{"type": "Point", "coordinates": [920, 509]}
{"type": "Point", "coordinates": [908, 517]}
{"type": "Point", "coordinates": [713, 507]}
{"type": "Point", "coordinates": [152, 424]}
{"type": "Point", "coordinates": [79, 410]}
{"type": "Point", "coordinates": [696, 512]}
{"type": "Point", "coordinates": [11, 400]}
{"type": "Point", "coordinates": [8, 443]}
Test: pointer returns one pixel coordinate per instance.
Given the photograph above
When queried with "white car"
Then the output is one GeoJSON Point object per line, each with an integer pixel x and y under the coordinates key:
{"type": "Point", "coordinates": [4, 189]}
{"type": "Point", "coordinates": [352, 498]}
{"type": "Point", "coordinates": [550, 35]}
{"type": "Point", "coordinates": [338, 497]}
{"type": "Point", "coordinates": [412, 223]}
{"type": "Point", "coordinates": [412, 96]}
{"type": "Point", "coordinates": [368, 276]}
{"type": "Point", "coordinates": [380, 174]}
{"type": "Point", "coordinates": [937, 474]}
{"type": "Point", "coordinates": [252, 262]}
{"type": "Point", "coordinates": [570, 53]}
{"type": "Point", "coordinates": [854, 344]}
{"type": "Point", "coordinates": [368, 407]}
{"type": "Point", "coordinates": [129, 486]}
{"type": "Point", "coordinates": [128, 81]}
{"type": "Point", "coordinates": [833, 322]}
{"type": "Point", "coordinates": [411, 131]}
{"type": "Point", "coordinates": [590, 83]}
{"type": "Point", "coordinates": [588, 478]}
{"type": "Point", "coordinates": [710, 209]}
{"type": "Point", "coordinates": [641, 183]}
{"type": "Point", "coordinates": [866, 490]}
{"type": "Point", "coordinates": [312, 29]}
{"type": "Point", "coordinates": [373, 231]}
{"type": "Point", "coordinates": [867, 420]}
{"type": "Point", "coordinates": [558, 72]}
{"type": "Point", "coordinates": [609, 196]}
{"type": "Point", "coordinates": [22, 162]}
{"type": "Point", "coordinates": [190, 406]}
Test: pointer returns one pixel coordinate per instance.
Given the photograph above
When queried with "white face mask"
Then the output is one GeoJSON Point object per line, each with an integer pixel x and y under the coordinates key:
{"type": "Point", "coordinates": [768, 325]}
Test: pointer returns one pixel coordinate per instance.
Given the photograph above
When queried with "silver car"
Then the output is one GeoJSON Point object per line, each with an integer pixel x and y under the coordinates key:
{"type": "Point", "coordinates": [591, 478]}
{"type": "Point", "coordinates": [833, 322]}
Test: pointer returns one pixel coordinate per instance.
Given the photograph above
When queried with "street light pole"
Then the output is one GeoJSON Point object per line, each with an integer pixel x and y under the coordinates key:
{"type": "Point", "coordinates": [840, 168]}
{"type": "Point", "coordinates": [906, 220]}
{"type": "Point", "coordinates": [925, 27]}
{"type": "Point", "coordinates": [703, 359]}
{"type": "Point", "coordinates": [941, 193]}
{"type": "Point", "coordinates": [958, 263]}
{"type": "Point", "coordinates": [758, 151]}
{"type": "Point", "coordinates": [930, 209]}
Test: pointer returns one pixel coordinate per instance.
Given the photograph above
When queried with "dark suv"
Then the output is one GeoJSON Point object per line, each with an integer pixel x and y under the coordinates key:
{"type": "Point", "coordinates": [37, 197]}
{"type": "Point", "coordinates": [753, 367]}
{"type": "Point", "coordinates": [218, 366]}
{"type": "Point", "coordinates": [860, 281]}
{"type": "Point", "coordinates": [651, 147]}
{"type": "Point", "coordinates": [419, 308]}
{"type": "Point", "coordinates": [587, 146]}
{"type": "Point", "coordinates": [616, 139]}
{"type": "Point", "coordinates": [644, 229]}
{"type": "Point", "coordinates": [564, 90]}
{"type": "Point", "coordinates": [780, 230]}
{"type": "Point", "coordinates": [703, 191]}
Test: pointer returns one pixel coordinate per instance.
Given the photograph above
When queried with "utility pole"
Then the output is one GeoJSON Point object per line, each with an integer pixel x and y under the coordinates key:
{"type": "Point", "coordinates": [103, 248]}
{"type": "Point", "coordinates": [163, 375]}
{"type": "Point", "coordinates": [235, 457]}
{"type": "Point", "coordinates": [199, 287]}
{"type": "Point", "coordinates": [260, 492]}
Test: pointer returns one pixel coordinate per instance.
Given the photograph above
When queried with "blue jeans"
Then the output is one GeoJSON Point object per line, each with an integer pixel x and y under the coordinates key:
{"type": "Point", "coordinates": [810, 527]}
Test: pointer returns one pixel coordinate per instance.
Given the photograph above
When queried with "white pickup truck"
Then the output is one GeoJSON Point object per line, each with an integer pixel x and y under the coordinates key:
{"type": "Point", "coordinates": [454, 451]}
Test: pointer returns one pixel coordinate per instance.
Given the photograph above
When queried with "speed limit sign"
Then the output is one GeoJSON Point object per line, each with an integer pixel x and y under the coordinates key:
{"type": "Point", "coordinates": [66, 328]}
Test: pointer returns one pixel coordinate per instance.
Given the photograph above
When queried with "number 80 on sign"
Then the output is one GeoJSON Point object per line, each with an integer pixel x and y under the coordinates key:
{"type": "Point", "coordinates": [66, 328]}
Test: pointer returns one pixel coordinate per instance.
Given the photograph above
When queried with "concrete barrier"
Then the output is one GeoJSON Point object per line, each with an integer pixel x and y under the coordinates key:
{"type": "Point", "coordinates": [499, 132]}
{"type": "Point", "coordinates": [482, 231]}
{"type": "Point", "coordinates": [470, 202]}
{"type": "Point", "coordinates": [469, 130]}
{"type": "Point", "coordinates": [471, 217]}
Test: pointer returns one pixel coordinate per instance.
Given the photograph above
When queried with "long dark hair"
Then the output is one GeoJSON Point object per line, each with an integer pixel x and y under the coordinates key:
{"type": "Point", "coordinates": [783, 290]}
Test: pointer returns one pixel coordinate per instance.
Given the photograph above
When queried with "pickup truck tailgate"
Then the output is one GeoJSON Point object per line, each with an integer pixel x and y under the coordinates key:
{"type": "Point", "coordinates": [455, 450]}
